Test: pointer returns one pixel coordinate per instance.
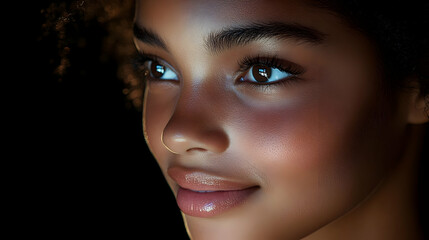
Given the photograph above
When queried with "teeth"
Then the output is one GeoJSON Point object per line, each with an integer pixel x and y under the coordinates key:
{"type": "Point", "coordinates": [203, 191]}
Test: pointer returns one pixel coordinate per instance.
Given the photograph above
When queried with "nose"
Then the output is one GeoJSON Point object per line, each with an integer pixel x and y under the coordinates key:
{"type": "Point", "coordinates": [195, 126]}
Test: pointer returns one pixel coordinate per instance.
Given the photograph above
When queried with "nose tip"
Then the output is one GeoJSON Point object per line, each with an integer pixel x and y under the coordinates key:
{"type": "Point", "coordinates": [191, 139]}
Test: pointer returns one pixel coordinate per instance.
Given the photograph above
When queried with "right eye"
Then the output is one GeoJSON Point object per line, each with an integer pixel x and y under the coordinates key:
{"type": "Point", "coordinates": [158, 71]}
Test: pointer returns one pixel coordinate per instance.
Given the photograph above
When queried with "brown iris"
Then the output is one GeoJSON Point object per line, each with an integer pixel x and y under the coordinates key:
{"type": "Point", "coordinates": [157, 70]}
{"type": "Point", "coordinates": [261, 73]}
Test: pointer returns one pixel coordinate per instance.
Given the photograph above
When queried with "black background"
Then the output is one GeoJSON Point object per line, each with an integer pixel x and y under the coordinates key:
{"type": "Point", "coordinates": [90, 173]}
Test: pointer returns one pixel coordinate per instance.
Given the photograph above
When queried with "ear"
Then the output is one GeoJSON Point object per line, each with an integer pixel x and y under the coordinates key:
{"type": "Point", "coordinates": [418, 108]}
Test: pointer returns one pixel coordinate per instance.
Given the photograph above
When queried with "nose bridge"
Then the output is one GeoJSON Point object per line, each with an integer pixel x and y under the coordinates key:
{"type": "Point", "coordinates": [191, 99]}
{"type": "Point", "coordinates": [195, 124]}
{"type": "Point", "coordinates": [193, 104]}
{"type": "Point", "coordinates": [189, 112]}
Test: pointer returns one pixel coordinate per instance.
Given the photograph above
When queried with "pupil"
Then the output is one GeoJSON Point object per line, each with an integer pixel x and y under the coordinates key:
{"type": "Point", "coordinates": [157, 70]}
{"type": "Point", "coordinates": [261, 73]}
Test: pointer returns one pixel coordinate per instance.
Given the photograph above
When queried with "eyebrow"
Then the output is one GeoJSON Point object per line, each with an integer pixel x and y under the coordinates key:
{"type": "Point", "coordinates": [149, 37]}
{"type": "Point", "coordinates": [242, 35]}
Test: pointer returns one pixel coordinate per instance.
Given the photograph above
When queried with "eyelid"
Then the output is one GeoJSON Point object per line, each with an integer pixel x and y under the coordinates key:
{"type": "Point", "coordinates": [271, 61]}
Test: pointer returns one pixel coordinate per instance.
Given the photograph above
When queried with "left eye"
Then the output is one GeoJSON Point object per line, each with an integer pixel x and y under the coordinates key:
{"type": "Point", "coordinates": [262, 74]}
{"type": "Point", "coordinates": [159, 71]}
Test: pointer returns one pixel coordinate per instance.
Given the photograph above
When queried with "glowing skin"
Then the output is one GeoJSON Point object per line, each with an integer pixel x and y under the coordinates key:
{"type": "Point", "coordinates": [330, 156]}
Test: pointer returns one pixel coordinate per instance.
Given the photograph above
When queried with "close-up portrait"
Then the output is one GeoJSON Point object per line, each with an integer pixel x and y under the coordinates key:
{"type": "Point", "coordinates": [237, 119]}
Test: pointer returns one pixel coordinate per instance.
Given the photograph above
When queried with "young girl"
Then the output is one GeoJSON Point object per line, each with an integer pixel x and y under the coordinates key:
{"type": "Point", "coordinates": [287, 119]}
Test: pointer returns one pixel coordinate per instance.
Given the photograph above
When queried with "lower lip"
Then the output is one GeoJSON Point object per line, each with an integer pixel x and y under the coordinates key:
{"type": "Point", "coordinates": [209, 204]}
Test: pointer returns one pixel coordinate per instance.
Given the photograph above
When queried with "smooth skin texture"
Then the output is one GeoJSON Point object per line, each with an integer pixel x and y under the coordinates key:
{"type": "Point", "coordinates": [333, 156]}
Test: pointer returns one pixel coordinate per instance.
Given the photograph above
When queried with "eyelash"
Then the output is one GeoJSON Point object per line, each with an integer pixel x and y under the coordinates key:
{"type": "Point", "coordinates": [273, 62]}
{"type": "Point", "coordinates": [139, 61]}
{"type": "Point", "coordinates": [244, 66]}
{"type": "Point", "coordinates": [139, 66]}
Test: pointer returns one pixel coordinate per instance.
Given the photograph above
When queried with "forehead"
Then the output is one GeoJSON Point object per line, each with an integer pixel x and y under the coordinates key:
{"type": "Point", "coordinates": [198, 17]}
{"type": "Point", "coordinates": [232, 9]}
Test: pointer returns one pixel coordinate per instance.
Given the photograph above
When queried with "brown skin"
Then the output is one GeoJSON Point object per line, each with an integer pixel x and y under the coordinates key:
{"type": "Point", "coordinates": [333, 156]}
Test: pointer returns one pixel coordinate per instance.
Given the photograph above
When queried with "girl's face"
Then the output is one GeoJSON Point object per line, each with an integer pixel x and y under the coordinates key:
{"type": "Point", "coordinates": [267, 118]}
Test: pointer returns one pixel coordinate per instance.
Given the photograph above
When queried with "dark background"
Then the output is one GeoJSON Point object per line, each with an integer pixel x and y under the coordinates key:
{"type": "Point", "coordinates": [91, 174]}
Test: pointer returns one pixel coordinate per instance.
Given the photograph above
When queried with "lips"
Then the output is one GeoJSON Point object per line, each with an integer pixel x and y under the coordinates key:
{"type": "Point", "coordinates": [201, 194]}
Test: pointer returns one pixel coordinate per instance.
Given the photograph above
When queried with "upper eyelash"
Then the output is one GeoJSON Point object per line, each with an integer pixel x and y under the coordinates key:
{"type": "Point", "coordinates": [274, 62]}
{"type": "Point", "coordinates": [244, 65]}
{"type": "Point", "coordinates": [141, 58]}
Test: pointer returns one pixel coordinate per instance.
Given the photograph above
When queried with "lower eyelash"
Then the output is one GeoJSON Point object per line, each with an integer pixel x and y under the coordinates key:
{"type": "Point", "coordinates": [269, 86]}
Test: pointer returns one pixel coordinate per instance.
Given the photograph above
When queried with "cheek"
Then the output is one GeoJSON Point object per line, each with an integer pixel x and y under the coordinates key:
{"type": "Point", "coordinates": [284, 145]}
{"type": "Point", "coordinates": [319, 157]}
{"type": "Point", "coordinates": [158, 107]}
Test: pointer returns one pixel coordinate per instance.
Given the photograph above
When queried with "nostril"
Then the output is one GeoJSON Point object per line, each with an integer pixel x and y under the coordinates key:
{"type": "Point", "coordinates": [196, 149]}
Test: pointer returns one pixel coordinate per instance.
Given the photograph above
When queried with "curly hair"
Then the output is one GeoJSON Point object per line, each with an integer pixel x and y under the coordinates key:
{"type": "Point", "coordinates": [67, 19]}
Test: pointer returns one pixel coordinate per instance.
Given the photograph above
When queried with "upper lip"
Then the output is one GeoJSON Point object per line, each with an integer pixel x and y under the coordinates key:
{"type": "Point", "coordinates": [197, 180]}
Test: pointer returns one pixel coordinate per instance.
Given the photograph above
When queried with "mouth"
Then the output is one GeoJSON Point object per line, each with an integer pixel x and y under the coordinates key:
{"type": "Point", "coordinates": [204, 195]}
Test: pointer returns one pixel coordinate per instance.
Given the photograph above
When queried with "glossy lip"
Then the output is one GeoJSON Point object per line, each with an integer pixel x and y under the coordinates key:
{"type": "Point", "coordinates": [201, 194]}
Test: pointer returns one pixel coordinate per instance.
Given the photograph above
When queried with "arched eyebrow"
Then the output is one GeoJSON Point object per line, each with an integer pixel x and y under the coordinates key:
{"type": "Point", "coordinates": [242, 35]}
{"type": "Point", "coordinates": [149, 37]}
